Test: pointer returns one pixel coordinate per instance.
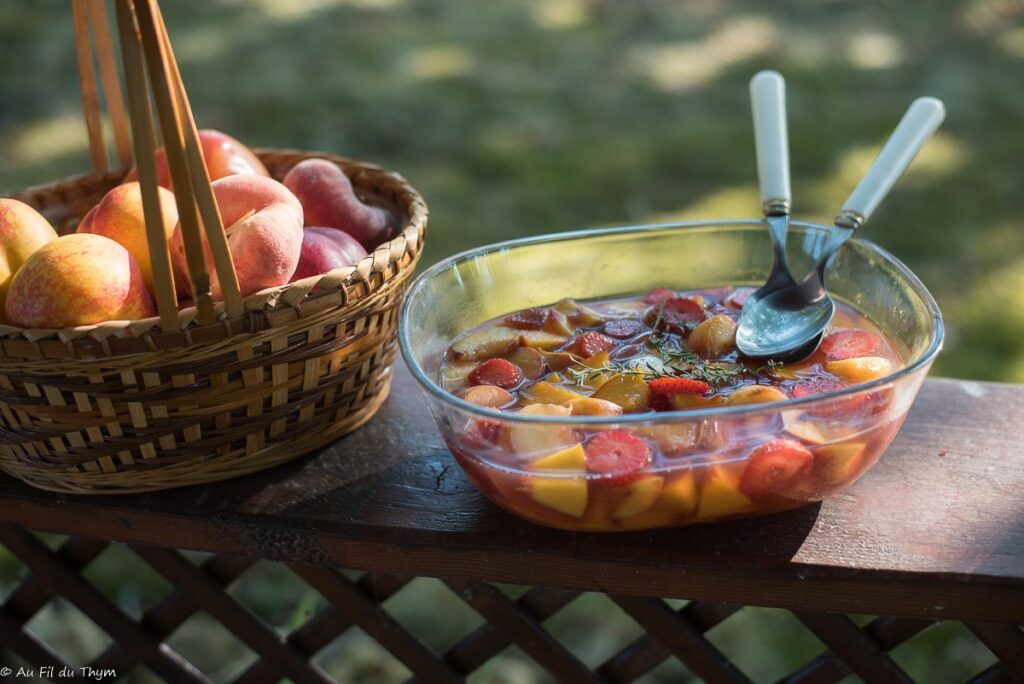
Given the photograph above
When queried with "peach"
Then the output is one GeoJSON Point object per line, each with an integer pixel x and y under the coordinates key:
{"type": "Point", "coordinates": [119, 217]}
{"type": "Point", "coordinates": [224, 156]}
{"type": "Point", "coordinates": [328, 199]}
{"type": "Point", "coordinates": [23, 230]}
{"type": "Point", "coordinates": [263, 222]}
{"type": "Point", "coordinates": [78, 279]}
{"type": "Point", "coordinates": [325, 249]}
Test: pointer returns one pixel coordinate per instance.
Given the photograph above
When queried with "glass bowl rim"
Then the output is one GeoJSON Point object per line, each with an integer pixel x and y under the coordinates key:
{"type": "Point", "coordinates": [435, 389]}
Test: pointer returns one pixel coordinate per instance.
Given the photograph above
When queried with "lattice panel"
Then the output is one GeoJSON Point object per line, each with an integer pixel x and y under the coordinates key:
{"type": "Point", "coordinates": [203, 587]}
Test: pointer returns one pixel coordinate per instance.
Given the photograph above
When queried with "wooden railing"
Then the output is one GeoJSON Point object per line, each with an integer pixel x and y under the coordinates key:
{"type": "Point", "coordinates": [934, 532]}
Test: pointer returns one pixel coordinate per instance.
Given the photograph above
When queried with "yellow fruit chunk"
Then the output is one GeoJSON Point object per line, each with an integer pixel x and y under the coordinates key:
{"type": "Point", "coordinates": [558, 360]}
{"type": "Point", "coordinates": [541, 339]}
{"type": "Point", "coordinates": [544, 392]}
{"type": "Point", "coordinates": [714, 337]}
{"type": "Point", "coordinates": [814, 431]}
{"type": "Point", "coordinates": [580, 314]}
{"type": "Point", "coordinates": [454, 374]}
{"type": "Point", "coordinates": [564, 494]}
{"type": "Point", "coordinates": [721, 494]}
{"type": "Point", "coordinates": [679, 495]}
{"type": "Point", "coordinates": [860, 369]}
{"type": "Point", "coordinates": [599, 512]}
{"type": "Point", "coordinates": [642, 495]}
{"type": "Point", "coordinates": [674, 439]}
{"type": "Point", "coordinates": [558, 324]}
{"type": "Point", "coordinates": [648, 520]}
{"type": "Point", "coordinates": [756, 394]}
{"type": "Point", "coordinates": [536, 439]}
{"type": "Point", "coordinates": [837, 463]}
{"type": "Point", "coordinates": [485, 343]}
{"type": "Point", "coordinates": [589, 406]}
{"type": "Point", "coordinates": [572, 458]}
{"type": "Point", "coordinates": [599, 360]}
{"type": "Point", "coordinates": [628, 391]}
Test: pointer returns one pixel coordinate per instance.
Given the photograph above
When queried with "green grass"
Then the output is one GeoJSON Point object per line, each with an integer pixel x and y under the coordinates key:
{"type": "Point", "coordinates": [521, 117]}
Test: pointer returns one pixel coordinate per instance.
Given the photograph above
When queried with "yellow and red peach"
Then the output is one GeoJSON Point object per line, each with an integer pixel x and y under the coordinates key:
{"type": "Point", "coordinates": [23, 230]}
{"type": "Point", "coordinates": [224, 156]}
{"type": "Point", "coordinates": [328, 199]}
{"type": "Point", "coordinates": [325, 249]}
{"type": "Point", "coordinates": [263, 222]}
{"type": "Point", "coordinates": [119, 217]}
{"type": "Point", "coordinates": [78, 279]}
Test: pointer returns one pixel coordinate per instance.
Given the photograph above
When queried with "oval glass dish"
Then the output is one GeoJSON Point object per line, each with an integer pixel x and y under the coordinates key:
{"type": "Point", "coordinates": [846, 430]}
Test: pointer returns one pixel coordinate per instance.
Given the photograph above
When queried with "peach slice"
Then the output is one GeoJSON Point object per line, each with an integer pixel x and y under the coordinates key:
{"type": "Point", "coordinates": [558, 360]}
{"type": "Point", "coordinates": [564, 494]}
{"type": "Point", "coordinates": [837, 463]}
{"type": "Point", "coordinates": [589, 406]}
{"type": "Point", "coordinates": [680, 495]}
{"type": "Point", "coordinates": [454, 374]}
{"type": "Point", "coordinates": [572, 458]}
{"type": "Point", "coordinates": [720, 495]}
{"type": "Point", "coordinates": [580, 314]}
{"type": "Point", "coordinates": [488, 396]}
{"type": "Point", "coordinates": [536, 439]}
{"type": "Point", "coordinates": [540, 339]}
{"type": "Point", "coordinates": [674, 439]}
{"type": "Point", "coordinates": [814, 431]}
{"type": "Point", "coordinates": [544, 392]}
{"type": "Point", "coordinates": [860, 369]}
{"type": "Point", "coordinates": [530, 361]}
{"type": "Point", "coordinates": [642, 495]}
{"type": "Point", "coordinates": [485, 344]}
{"type": "Point", "coordinates": [714, 337]}
{"type": "Point", "coordinates": [628, 391]}
{"type": "Point", "coordinates": [756, 394]}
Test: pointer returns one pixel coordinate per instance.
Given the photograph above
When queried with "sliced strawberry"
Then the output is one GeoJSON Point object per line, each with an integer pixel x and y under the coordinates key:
{"type": "Point", "coordinates": [659, 295]}
{"type": "Point", "coordinates": [670, 386]}
{"type": "Point", "coordinates": [849, 344]}
{"type": "Point", "coordinates": [619, 454]}
{"type": "Point", "coordinates": [591, 343]}
{"type": "Point", "coordinates": [498, 372]}
{"type": "Point", "coordinates": [775, 465]}
{"type": "Point", "coordinates": [806, 388]}
{"type": "Point", "coordinates": [623, 328]}
{"type": "Point", "coordinates": [739, 297]}
{"type": "Point", "coordinates": [529, 319]}
{"type": "Point", "coordinates": [678, 315]}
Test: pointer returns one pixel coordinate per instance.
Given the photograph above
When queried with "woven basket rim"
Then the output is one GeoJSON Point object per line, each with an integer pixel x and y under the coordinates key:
{"type": "Point", "coordinates": [288, 296]}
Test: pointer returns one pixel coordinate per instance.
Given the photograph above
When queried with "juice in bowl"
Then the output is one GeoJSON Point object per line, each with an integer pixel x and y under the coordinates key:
{"type": "Point", "coordinates": [590, 381]}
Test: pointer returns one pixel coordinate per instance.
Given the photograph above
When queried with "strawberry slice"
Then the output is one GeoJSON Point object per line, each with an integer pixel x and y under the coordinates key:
{"type": "Point", "coordinates": [498, 372]}
{"type": "Point", "coordinates": [623, 328]}
{"type": "Point", "coordinates": [806, 388]}
{"type": "Point", "coordinates": [591, 343]}
{"type": "Point", "coordinates": [529, 319]}
{"type": "Point", "coordinates": [849, 344]}
{"type": "Point", "coordinates": [678, 315]}
{"type": "Point", "coordinates": [775, 465]}
{"type": "Point", "coordinates": [619, 454]}
{"type": "Point", "coordinates": [659, 295]}
{"type": "Point", "coordinates": [670, 386]}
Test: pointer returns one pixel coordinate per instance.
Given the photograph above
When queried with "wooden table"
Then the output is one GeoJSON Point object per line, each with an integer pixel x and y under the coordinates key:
{"type": "Point", "coordinates": [935, 531]}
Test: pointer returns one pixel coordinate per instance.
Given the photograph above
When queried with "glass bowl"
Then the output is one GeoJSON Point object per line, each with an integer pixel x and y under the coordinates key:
{"type": "Point", "coordinates": [703, 479]}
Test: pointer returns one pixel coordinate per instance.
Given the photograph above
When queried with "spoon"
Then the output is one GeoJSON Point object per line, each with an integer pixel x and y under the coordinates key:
{"type": "Point", "coordinates": [788, 324]}
{"type": "Point", "coordinates": [768, 102]}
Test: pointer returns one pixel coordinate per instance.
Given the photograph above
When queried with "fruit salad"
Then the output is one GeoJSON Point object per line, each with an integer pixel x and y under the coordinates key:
{"type": "Point", "coordinates": [611, 368]}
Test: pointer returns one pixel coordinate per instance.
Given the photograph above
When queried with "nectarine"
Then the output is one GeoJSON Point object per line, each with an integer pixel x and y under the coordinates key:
{"type": "Point", "coordinates": [263, 222]}
{"type": "Point", "coordinates": [328, 199]}
{"type": "Point", "coordinates": [224, 156]}
{"type": "Point", "coordinates": [119, 217]}
{"type": "Point", "coordinates": [325, 249]}
{"type": "Point", "coordinates": [78, 279]}
{"type": "Point", "coordinates": [23, 230]}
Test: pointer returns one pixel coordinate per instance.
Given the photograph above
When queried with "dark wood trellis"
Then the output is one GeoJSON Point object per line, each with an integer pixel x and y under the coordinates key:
{"type": "Point", "coordinates": [934, 532]}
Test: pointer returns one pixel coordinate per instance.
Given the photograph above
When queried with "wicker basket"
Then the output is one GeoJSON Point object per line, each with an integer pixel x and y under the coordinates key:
{"type": "Point", "coordinates": [133, 406]}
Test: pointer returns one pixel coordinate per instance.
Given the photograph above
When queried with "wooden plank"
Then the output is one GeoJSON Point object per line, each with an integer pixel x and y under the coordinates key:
{"type": "Point", "coordinates": [935, 530]}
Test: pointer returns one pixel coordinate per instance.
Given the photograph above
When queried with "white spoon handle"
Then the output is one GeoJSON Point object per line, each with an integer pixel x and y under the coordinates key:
{"type": "Point", "coordinates": [768, 101]}
{"type": "Point", "coordinates": [921, 120]}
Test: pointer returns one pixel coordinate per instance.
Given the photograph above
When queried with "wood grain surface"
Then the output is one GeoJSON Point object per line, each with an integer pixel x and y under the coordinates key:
{"type": "Point", "coordinates": [934, 530]}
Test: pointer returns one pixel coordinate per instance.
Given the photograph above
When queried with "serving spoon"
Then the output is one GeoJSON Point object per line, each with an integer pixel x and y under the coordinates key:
{"type": "Point", "coordinates": [771, 141]}
{"type": "Point", "coordinates": [788, 324]}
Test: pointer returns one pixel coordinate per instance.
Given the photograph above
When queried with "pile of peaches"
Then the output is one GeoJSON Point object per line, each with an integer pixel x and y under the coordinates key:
{"type": "Point", "coordinates": [277, 233]}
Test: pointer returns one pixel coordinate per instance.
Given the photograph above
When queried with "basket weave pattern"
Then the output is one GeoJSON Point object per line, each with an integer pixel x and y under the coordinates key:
{"type": "Point", "coordinates": [127, 407]}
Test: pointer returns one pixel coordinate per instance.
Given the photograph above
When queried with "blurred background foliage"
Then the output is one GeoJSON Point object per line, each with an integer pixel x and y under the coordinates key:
{"type": "Point", "coordinates": [519, 117]}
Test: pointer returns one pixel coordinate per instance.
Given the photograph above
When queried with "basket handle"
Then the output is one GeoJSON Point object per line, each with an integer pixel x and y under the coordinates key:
{"type": "Point", "coordinates": [150, 68]}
